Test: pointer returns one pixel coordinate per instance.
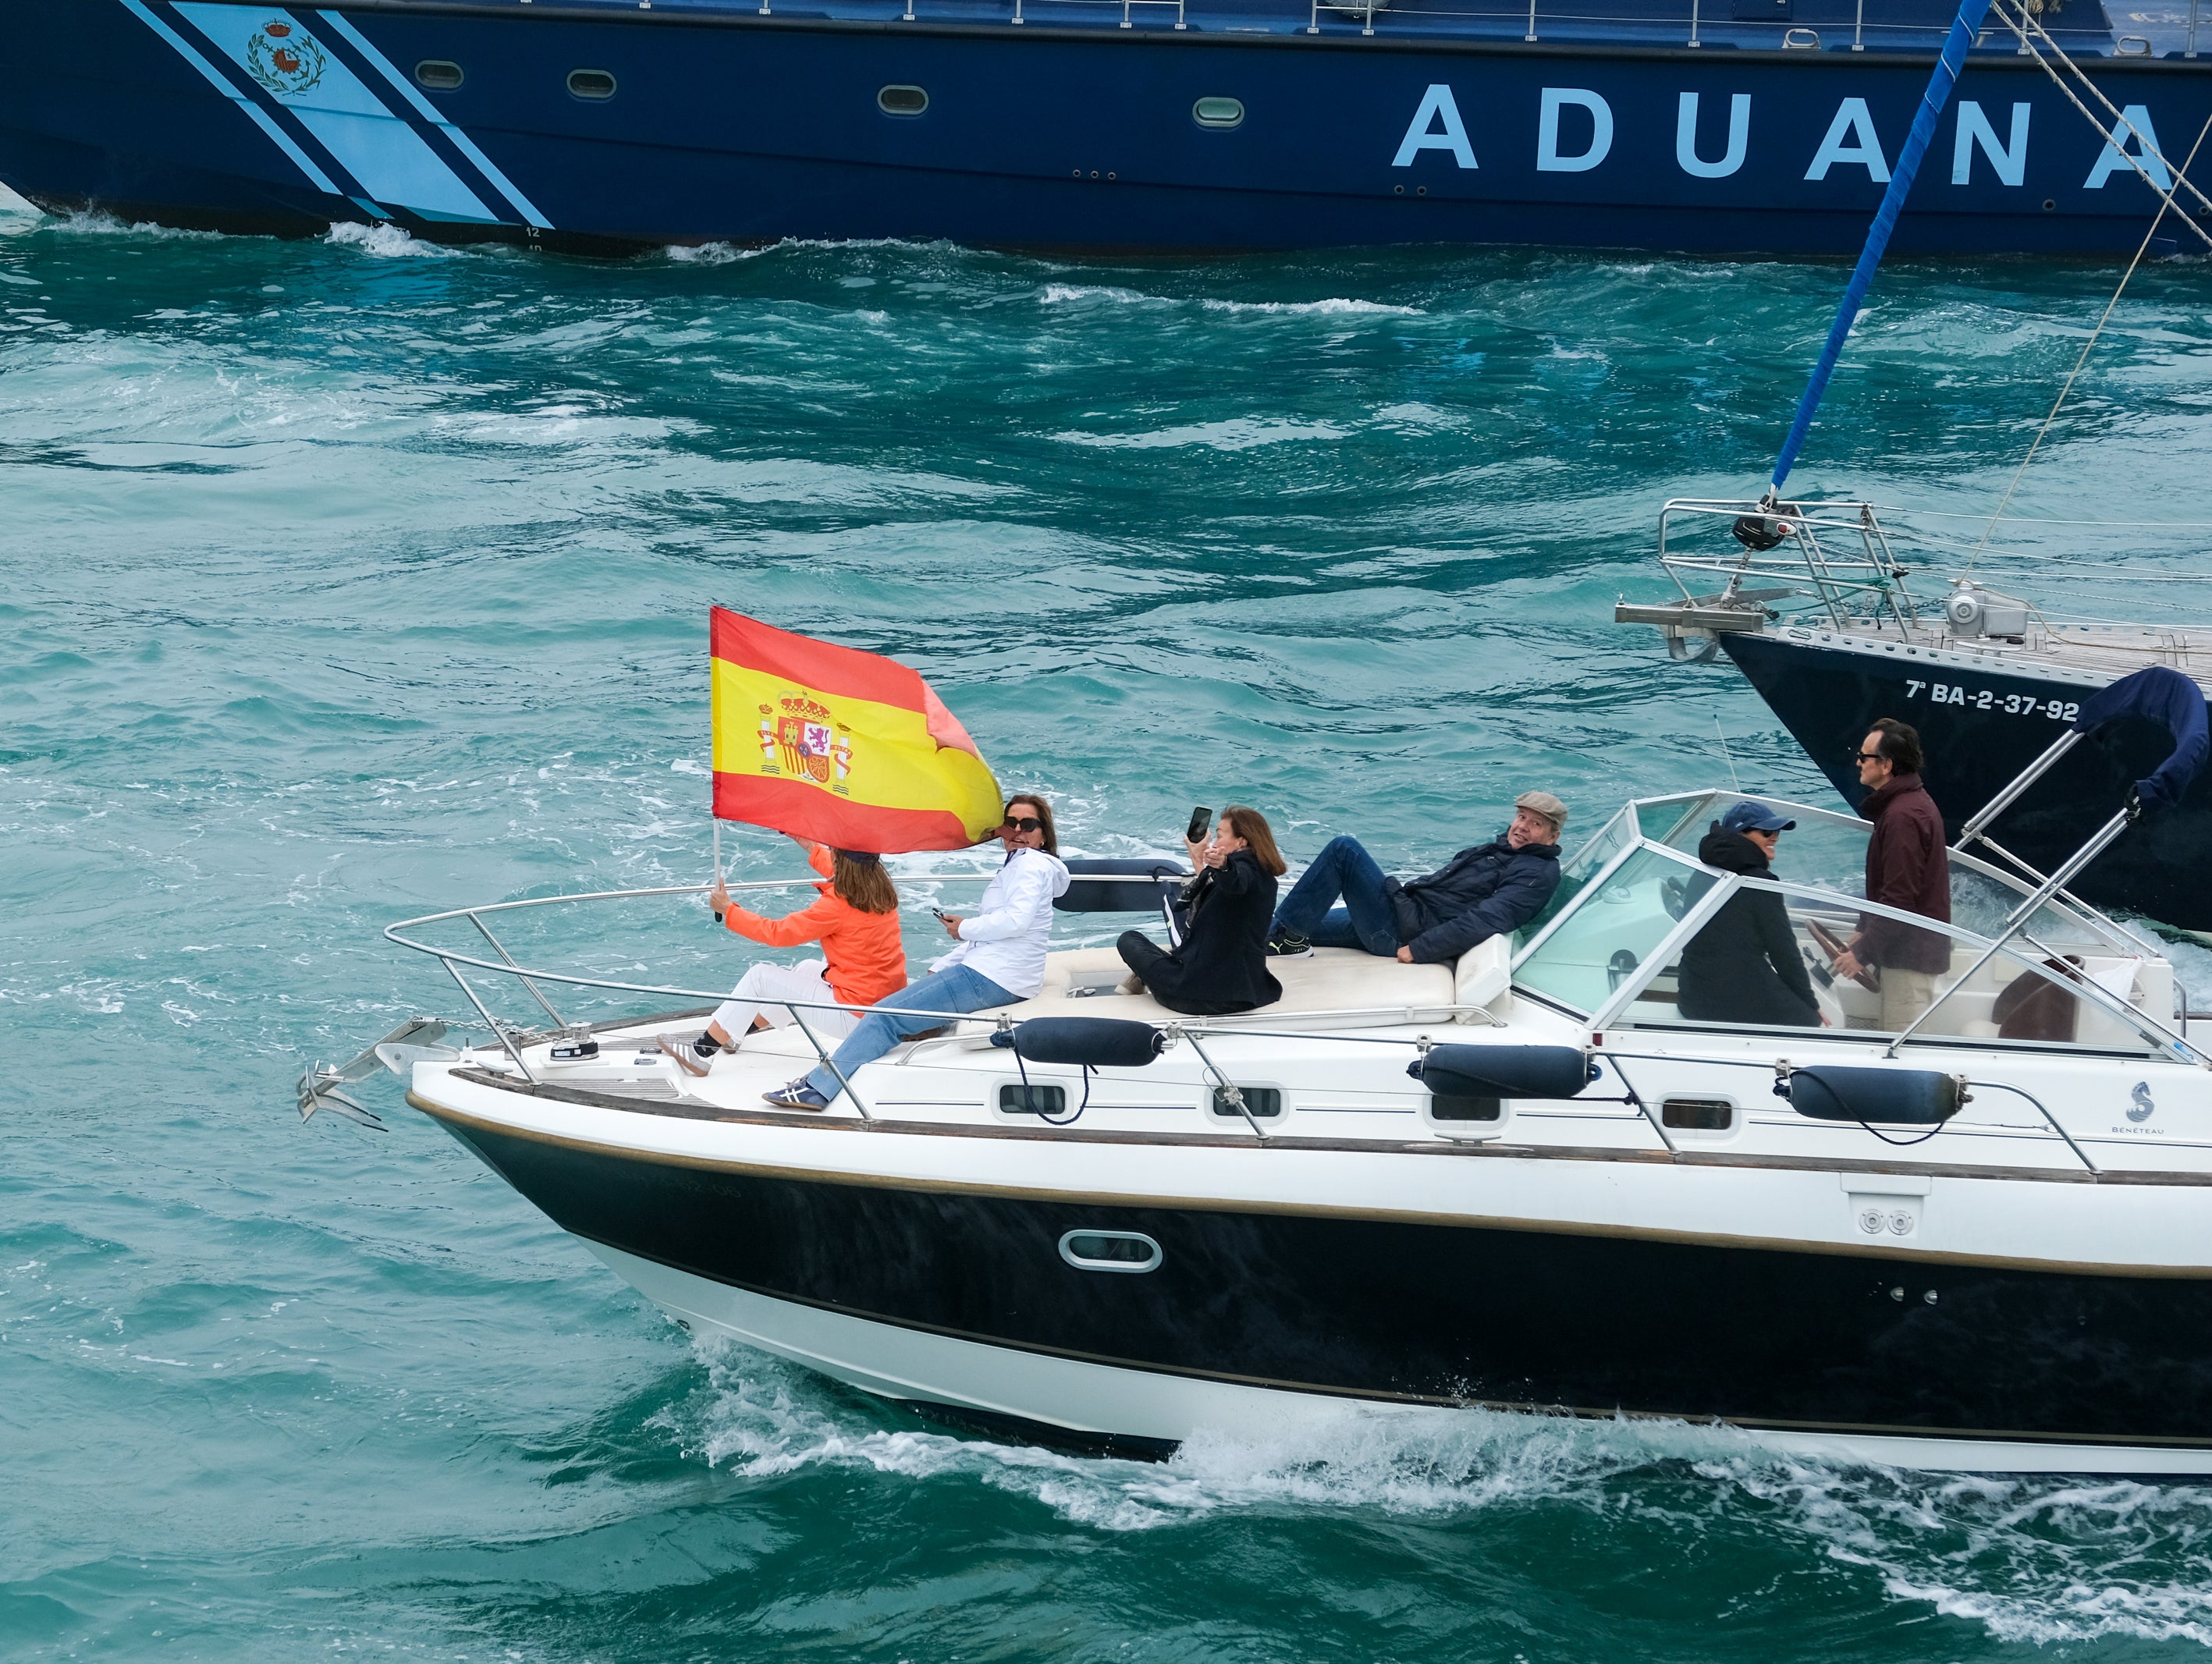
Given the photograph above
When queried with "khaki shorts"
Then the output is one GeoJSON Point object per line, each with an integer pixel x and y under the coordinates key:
{"type": "Point", "coordinates": [1905, 995]}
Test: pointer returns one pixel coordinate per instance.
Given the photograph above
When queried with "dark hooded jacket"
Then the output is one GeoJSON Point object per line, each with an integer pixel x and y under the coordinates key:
{"type": "Point", "coordinates": [1490, 890]}
{"type": "Point", "coordinates": [1907, 867]}
{"type": "Point", "coordinates": [1221, 964]}
{"type": "Point", "coordinates": [1744, 966]}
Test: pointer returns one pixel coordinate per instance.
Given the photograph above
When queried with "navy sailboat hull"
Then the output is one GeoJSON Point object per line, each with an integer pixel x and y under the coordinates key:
{"type": "Point", "coordinates": [1980, 726]}
{"type": "Point", "coordinates": [605, 127]}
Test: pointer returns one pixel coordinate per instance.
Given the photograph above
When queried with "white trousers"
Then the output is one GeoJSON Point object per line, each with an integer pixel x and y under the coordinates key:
{"type": "Point", "coordinates": [764, 983]}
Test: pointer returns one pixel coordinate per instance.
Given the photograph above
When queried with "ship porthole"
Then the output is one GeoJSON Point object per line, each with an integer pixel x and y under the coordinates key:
{"type": "Point", "coordinates": [1110, 1250]}
{"type": "Point", "coordinates": [1218, 112]}
{"type": "Point", "coordinates": [594, 84]}
{"type": "Point", "coordinates": [440, 74]}
{"type": "Point", "coordinates": [903, 100]}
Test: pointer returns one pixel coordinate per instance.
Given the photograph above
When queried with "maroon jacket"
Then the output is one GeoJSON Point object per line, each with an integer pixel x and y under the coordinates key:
{"type": "Point", "coordinates": [1906, 868]}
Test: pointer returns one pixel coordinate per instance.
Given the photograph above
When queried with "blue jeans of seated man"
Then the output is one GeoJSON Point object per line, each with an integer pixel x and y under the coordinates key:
{"type": "Point", "coordinates": [1365, 921]}
{"type": "Point", "coordinates": [955, 988]}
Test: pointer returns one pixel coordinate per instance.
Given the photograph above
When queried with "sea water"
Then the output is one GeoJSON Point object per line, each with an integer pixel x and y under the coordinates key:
{"type": "Point", "coordinates": [350, 578]}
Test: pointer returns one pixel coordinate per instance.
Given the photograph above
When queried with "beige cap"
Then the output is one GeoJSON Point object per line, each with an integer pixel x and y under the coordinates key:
{"type": "Point", "coordinates": [1544, 804]}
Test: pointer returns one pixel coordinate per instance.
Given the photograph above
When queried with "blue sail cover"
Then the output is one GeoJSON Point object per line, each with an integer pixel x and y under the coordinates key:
{"type": "Point", "coordinates": [1962, 29]}
{"type": "Point", "coordinates": [2177, 704]}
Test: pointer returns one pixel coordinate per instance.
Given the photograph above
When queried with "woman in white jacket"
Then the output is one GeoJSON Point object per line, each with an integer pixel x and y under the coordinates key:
{"type": "Point", "coordinates": [1000, 959]}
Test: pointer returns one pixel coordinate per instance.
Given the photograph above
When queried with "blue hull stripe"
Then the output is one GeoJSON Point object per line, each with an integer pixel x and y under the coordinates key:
{"type": "Point", "coordinates": [387, 155]}
{"type": "Point", "coordinates": [430, 112]}
{"type": "Point", "coordinates": [262, 119]}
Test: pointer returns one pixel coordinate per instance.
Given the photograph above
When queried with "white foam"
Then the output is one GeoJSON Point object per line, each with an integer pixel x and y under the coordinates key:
{"type": "Point", "coordinates": [2045, 1561]}
{"type": "Point", "coordinates": [385, 241]}
{"type": "Point", "coordinates": [1318, 308]}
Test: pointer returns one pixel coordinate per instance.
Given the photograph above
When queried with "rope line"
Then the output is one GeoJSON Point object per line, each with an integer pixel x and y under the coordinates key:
{"type": "Point", "coordinates": [2165, 202]}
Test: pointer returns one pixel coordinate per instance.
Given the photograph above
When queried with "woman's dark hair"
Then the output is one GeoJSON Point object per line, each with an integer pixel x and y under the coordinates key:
{"type": "Point", "coordinates": [863, 885]}
{"type": "Point", "coordinates": [1251, 825]}
{"type": "Point", "coordinates": [1900, 744]}
{"type": "Point", "coordinates": [1044, 817]}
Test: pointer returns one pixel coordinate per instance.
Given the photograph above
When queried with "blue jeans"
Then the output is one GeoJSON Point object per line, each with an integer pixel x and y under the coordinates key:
{"type": "Point", "coordinates": [1365, 921]}
{"type": "Point", "coordinates": [955, 988]}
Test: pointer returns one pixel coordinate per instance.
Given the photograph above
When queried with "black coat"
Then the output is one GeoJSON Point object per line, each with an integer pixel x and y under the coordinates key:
{"type": "Point", "coordinates": [1222, 965]}
{"type": "Point", "coordinates": [1492, 889]}
{"type": "Point", "coordinates": [1744, 966]}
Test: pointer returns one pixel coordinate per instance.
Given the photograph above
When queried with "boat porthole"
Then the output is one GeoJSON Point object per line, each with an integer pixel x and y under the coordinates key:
{"type": "Point", "coordinates": [440, 74]}
{"type": "Point", "coordinates": [1421, 191]}
{"type": "Point", "coordinates": [1260, 1103]}
{"type": "Point", "coordinates": [1223, 113]}
{"type": "Point", "coordinates": [1397, 189]}
{"type": "Point", "coordinates": [1110, 1250]}
{"type": "Point", "coordinates": [901, 100]}
{"type": "Point", "coordinates": [594, 84]}
{"type": "Point", "coordinates": [2050, 204]}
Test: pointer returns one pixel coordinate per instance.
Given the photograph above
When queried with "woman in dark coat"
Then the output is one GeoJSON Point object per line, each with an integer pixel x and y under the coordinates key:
{"type": "Point", "coordinates": [1744, 966]}
{"type": "Point", "coordinates": [1222, 965]}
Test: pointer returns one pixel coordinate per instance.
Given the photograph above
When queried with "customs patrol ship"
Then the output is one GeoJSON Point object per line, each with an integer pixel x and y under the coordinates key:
{"type": "Point", "coordinates": [1180, 126]}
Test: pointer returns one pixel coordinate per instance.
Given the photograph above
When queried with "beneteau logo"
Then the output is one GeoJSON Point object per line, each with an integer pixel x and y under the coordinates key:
{"type": "Point", "coordinates": [284, 58]}
{"type": "Point", "coordinates": [2140, 1109]}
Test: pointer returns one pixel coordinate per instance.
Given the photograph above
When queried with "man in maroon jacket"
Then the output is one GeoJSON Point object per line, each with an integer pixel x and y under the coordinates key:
{"type": "Point", "coordinates": [1907, 868]}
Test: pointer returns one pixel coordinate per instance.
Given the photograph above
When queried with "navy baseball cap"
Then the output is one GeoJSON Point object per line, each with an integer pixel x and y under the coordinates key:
{"type": "Point", "coordinates": [1752, 816]}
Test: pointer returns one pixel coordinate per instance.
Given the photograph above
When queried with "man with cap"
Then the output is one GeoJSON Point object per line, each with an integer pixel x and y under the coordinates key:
{"type": "Point", "coordinates": [1489, 890]}
{"type": "Point", "coordinates": [1744, 966]}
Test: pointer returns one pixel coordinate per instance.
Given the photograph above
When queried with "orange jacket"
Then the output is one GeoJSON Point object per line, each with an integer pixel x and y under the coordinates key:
{"type": "Point", "coordinates": [866, 959]}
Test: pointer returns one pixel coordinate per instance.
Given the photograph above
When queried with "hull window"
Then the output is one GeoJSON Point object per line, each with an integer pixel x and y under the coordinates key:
{"type": "Point", "coordinates": [1698, 1115]}
{"type": "Point", "coordinates": [1110, 1250]}
{"type": "Point", "coordinates": [1218, 112]}
{"type": "Point", "coordinates": [903, 100]}
{"type": "Point", "coordinates": [593, 84]}
{"type": "Point", "coordinates": [1446, 1107]}
{"type": "Point", "coordinates": [438, 74]}
{"type": "Point", "coordinates": [1032, 1100]}
{"type": "Point", "coordinates": [1260, 1101]}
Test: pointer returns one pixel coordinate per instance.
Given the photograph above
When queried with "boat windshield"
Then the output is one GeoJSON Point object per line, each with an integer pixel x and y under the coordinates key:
{"type": "Point", "coordinates": [1624, 895]}
{"type": "Point", "coordinates": [1827, 851]}
{"type": "Point", "coordinates": [1609, 928]}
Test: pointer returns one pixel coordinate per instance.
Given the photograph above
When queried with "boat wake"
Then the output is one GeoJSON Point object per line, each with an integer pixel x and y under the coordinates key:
{"type": "Point", "coordinates": [2037, 1560]}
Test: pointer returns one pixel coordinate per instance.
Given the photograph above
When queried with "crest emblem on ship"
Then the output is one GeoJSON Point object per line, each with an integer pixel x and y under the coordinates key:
{"type": "Point", "coordinates": [807, 741]}
{"type": "Point", "coordinates": [284, 58]}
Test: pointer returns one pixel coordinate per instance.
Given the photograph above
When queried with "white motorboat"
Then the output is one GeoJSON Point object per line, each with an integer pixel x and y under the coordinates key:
{"type": "Point", "coordinates": [1525, 1181]}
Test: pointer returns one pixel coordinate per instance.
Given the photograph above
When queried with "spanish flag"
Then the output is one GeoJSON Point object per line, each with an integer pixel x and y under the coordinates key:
{"type": "Point", "coordinates": [844, 747]}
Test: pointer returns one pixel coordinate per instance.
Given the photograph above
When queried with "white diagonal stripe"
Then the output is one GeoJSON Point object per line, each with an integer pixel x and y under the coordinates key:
{"type": "Point", "coordinates": [262, 119]}
{"type": "Point", "coordinates": [431, 111]}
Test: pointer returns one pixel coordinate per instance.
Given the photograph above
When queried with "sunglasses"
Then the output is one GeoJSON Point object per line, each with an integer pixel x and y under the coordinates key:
{"type": "Point", "coordinates": [1021, 824]}
{"type": "Point", "coordinates": [1866, 756]}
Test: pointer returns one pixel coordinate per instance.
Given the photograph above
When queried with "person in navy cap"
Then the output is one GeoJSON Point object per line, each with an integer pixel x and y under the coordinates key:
{"type": "Point", "coordinates": [1745, 965]}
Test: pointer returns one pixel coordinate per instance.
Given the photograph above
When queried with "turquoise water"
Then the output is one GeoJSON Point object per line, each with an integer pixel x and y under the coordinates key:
{"type": "Point", "coordinates": [347, 580]}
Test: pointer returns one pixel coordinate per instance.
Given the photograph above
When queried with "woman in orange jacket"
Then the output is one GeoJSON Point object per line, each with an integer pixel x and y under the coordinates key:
{"type": "Point", "coordinates": [855, 919]}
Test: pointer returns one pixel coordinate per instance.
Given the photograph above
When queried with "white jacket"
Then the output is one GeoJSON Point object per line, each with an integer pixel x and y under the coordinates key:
{"type": "Point", "coordinates": [1005, 939]}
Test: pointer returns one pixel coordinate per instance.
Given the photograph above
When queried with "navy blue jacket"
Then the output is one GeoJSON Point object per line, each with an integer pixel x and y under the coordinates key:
{"type": "Point", "coordinates": [1490, 890]}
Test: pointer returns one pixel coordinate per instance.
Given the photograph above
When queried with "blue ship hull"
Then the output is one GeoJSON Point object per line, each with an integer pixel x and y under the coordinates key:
{"type": "Point", "coordinates": [712, 122]}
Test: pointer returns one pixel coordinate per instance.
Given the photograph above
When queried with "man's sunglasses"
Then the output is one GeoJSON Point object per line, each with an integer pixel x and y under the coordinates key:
{"type": "Point", "coordinates": [1866, 756]}
{"type": "Point", "coordinates": [1021, 824]}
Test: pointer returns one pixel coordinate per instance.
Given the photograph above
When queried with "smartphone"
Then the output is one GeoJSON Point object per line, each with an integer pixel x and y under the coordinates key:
{"type": "Point", "coordinates": [943, 917]}
{"type": "Point", "coordinates": [1200, 818]}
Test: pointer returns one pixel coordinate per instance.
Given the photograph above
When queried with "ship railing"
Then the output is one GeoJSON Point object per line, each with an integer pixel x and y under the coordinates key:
{"type": "Point", "coordinates": [514, 1039]}
{"type": "Point", "coordinates": [1127, 20]}
{"type": "Point", "coordinates": [1837, 552]}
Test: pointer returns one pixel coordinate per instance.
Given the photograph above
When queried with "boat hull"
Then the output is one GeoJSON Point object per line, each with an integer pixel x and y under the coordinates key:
{"type": "Point", "coordinates": [727, 125]}
{"type": "Point", "coordinates": [957, 1295]}
{"type": "Point", "coordinates": [1981, 725]}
